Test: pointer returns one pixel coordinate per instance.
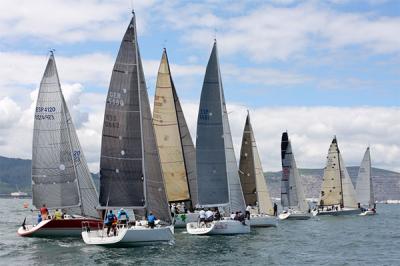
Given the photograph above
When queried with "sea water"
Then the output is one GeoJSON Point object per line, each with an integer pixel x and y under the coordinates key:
{"type": "Point", "coordinates": [351, 240]}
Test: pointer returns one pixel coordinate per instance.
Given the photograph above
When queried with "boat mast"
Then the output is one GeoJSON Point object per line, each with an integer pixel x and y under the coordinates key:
{"type": "Point", "coordinates": [140, 112]}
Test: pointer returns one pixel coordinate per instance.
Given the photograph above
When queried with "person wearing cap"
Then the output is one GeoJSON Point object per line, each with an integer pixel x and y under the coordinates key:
{"type": "Point", "coordinates": [123, 217]}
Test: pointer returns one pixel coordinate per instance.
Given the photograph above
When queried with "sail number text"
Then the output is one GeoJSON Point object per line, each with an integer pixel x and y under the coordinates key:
{"type": "Point", "coordinates": [44, 113]}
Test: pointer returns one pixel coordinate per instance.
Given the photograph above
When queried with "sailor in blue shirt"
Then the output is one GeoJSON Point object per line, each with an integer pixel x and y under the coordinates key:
{"type": "Point", "coordinates": [123, 217]}
{"type": "Point", "coordinates": [151, 220]}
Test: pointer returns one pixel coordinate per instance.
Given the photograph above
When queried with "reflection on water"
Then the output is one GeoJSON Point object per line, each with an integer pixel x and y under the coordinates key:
{"type": "Point", "coordinates": [352, 240]}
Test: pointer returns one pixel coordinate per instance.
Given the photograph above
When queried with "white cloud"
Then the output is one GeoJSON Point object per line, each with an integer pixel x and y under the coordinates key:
{"type": "Point", "coordinates": [57, 21]}
{"type": "Point", "coordinates": [281, 32]}
{"type": "Point", "coordinates": [311, 129]}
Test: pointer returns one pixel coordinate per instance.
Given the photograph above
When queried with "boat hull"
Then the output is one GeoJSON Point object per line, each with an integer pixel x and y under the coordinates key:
{"type": "Point", "coordinates": [294, 216]}
{"type": "Point", "coordinates": [182, 219]}
{"type": "Point", "coordinates": [132, 236]}
{"type": "Point", "coordinates": [57, 228]}
{"type": "Point", "coordinates": [220, 227]}
{"type": "Point", "coordinates": [337, 213]}
{"type": "Point", "coordinates": [262, 221]}
{"type": "Point", "coordinates": [367, 212]}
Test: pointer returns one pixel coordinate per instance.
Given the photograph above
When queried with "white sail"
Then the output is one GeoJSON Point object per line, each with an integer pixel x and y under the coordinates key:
{"type": "Point", "coordinates": [364, 191]}
{"type": "Point", "coordinates": [264, 200]}
{"type": "Point", "coordinates": [349, 194]}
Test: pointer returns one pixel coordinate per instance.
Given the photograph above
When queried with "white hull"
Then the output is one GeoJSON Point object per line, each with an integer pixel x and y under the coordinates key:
{"type": "Point", "coordinates": [132, 236]}
{"type": "Point", "coordinates": [221, 227]}
{"type": "Point", "coordinates": [368, 212]}
{"type": "Point", "coordinates": [260, 220]}
{"type": "Point", "coordinates": [344, 211]}
{"type": "Point", "coordinates": [294, 216]}
{"type": "Point", "coordinates": [183, 218]}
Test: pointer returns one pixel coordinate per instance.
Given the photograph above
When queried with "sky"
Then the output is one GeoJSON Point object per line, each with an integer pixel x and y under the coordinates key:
{"type": "Point", "coordinates": [314, 68]}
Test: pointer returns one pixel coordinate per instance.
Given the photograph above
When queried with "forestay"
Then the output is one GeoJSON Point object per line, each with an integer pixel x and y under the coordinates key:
{"type": "Point", "coordinates": [60, 176]}
{"type": "Point", "coordinates": [130, 171]}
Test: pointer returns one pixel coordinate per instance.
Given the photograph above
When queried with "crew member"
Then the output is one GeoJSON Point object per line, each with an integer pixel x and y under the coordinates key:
{"type": "Point", "coordinates": [151, 220]}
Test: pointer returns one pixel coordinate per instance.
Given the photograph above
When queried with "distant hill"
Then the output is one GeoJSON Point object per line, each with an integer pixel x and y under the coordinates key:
{"type": "Point", "coordinates": [16, 172]}
{"type": "Point", "coordinates": [386, 183]}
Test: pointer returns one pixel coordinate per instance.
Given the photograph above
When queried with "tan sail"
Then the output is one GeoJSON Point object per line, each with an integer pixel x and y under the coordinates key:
{"type": "Point", "coordinates": [252, 178]}
{"type": "Point", "coordinates": [349, 194]}
{"type": "Point", "coordinates": [168, 136]}
{"type": "Point", "coordinates": [264, 200]}
{"type": "Point", "coordinates": [331, 192]}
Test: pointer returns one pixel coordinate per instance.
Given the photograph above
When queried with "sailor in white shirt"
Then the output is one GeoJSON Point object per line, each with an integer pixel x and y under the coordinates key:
{"type": "Point", "coordinates": [209, 215]}
{"type": "Point", "coordinates": [248, 209]}
{"type": "Point", "coordinates": [233, 215]}
{"type": "Point", "coordinates": [202, 215]}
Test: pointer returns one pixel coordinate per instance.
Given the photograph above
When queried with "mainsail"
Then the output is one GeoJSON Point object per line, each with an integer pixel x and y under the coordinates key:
{"type": "Point", "coordinates": [177, 153]}
{"type": "Point", "coordinates": [60, 175]}
{"type": "Point", "coordinates": [217, 172]}
{"type": "Point", "coordinates": [337, 188]}
{"type": "Point", "coordinates": [130, 171]}
{"type": "Point", "coordinates": [364, 188]}
{"type": "Point", "coordinates": [292, 195]}
{"type": "Point", "coordinates": [252, 178]}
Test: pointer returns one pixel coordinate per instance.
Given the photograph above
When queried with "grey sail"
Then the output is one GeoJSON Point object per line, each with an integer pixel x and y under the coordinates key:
{"type": "Point", "coordinates": [130, 171]}
{"type": "Point", "coordinates": [60, 176]}
{"type": "Point", "coordinates": [292, 194]}
{"type": "Point", "coordinates": [210, 146]}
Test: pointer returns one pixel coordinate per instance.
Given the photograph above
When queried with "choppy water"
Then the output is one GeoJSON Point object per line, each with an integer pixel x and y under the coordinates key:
{"type": "Point", "coordinates": [373, 240]}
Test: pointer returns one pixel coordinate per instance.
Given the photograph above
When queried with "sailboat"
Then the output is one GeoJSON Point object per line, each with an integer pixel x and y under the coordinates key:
{"type": "Point", "coordinates": [364, 186]}
{"type": "Point", "coordinates": [60, 176]}
{"type": "Point", "coordinates": [337, 193]}
{"type": "Point", "coordinates": [18, 193]}
{"type": "Point", "coordinates": [130, 170]}
{"type": "Point", "coordinates": [175, 145]}
{"type": "Point", "coordinates": [218, 181]}
{"type": "Point", "coordinates": [292, 196]}
{"type": "Point", "coordinates": [253, 182]}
